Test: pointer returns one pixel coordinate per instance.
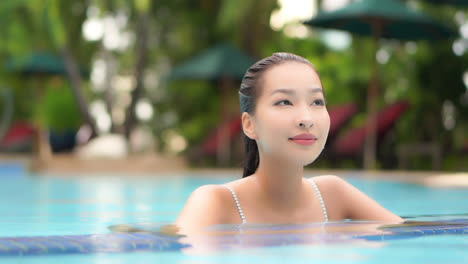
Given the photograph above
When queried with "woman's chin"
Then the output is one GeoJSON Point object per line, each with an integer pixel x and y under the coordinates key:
{"type": "Point", "coordinates": [308, 162]}
{"type": "Point", "coordinates": [294, 158]}
{"type": "Point", "coordinates": [302, 161]}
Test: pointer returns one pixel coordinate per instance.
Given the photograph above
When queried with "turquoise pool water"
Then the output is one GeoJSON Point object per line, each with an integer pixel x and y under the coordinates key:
{"type": "Point", "coordinates": [67, 205]}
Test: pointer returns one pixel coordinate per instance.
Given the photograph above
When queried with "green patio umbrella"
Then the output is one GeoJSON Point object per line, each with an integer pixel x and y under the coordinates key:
{"type": "Point", "coordinates": [380, 19]}
{"type": "Point", "coordinates": [215, 63]}
{"type": "Point", "coordinates": [460, 3]}
{"type": "Point", "coordinates": [223, 64]}
{"type": "Point", "coordinates": [39, 63]}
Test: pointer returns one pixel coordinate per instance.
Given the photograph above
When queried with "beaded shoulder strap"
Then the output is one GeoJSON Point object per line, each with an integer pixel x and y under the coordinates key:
{"type": "Point", "coordinates": [239, 208]}
{"type": "Point", "coordinates": [322, 203]}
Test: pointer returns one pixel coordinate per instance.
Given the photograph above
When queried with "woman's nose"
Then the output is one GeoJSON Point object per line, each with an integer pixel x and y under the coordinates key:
{"type": "Point", "coordinates": [305, 124]}
{"type": "Point", "coordinates": [306, 119]}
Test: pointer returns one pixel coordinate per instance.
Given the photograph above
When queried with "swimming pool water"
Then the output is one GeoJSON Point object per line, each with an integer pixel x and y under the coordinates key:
{"type": "Point", "coordinates": [61, 205]}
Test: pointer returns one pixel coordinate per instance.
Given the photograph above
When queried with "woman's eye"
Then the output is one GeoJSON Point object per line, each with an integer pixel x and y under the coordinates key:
{"type": "Point", "coordinates": [319, 102]}
{"type": "Point", "coordinates": [284, 102]}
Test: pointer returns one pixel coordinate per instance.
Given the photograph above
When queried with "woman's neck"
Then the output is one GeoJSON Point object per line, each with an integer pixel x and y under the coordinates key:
{"type": "Point", "coordinates": [279, 183]}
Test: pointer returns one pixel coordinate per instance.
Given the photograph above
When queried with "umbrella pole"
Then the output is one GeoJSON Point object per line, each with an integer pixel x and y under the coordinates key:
{"type": "Point", "coordinates": [370, 144]}
{"type": "Point", "coordinates": [42, 150]}
{"type": "Point", "coordinates": [7, 112]}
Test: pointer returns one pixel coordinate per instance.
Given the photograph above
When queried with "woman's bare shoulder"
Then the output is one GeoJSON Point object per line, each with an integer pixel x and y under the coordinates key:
{"type": "Point", "coordinates": [208, 196]}
{"type": "Point", "coordinates": [328, 182]}
{"type": "Point", "coordinates": [353, 203]}
{"type": "Point", "coordinates": [330, 187]}
{"type": "Point", "coordinates": [209, 189]}
{"type": "Point", "coordinates": [206, 206]}
{"type": "Point", "coordinates": [335, 186]}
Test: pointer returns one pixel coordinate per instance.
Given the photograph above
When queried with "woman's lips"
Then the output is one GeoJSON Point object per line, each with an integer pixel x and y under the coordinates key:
{"type": "Point", "coordinates": [304, 139]}
{"type": "Point", "coordinates": [305, 142]}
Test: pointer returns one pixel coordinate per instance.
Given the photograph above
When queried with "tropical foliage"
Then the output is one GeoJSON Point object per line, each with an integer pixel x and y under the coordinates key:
{"type": "Point", "coordinates": [149, 38]}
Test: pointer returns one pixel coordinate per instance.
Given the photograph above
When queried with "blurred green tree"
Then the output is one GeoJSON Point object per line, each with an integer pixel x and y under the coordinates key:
{"type": "Point", "coordinates": [39, 25]}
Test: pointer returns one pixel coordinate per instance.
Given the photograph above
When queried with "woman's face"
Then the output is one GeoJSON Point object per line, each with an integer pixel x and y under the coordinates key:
{"type": "Point", "coordinates": [290, 120]}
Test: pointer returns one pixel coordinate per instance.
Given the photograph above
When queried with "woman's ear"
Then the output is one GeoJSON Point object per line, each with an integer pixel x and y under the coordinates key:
{"type": "Point", "coordinates": [248, 126]}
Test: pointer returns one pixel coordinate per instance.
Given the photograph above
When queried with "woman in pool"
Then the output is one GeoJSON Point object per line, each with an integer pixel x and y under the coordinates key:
{"type": "Point", "coordinates": [286, 124]}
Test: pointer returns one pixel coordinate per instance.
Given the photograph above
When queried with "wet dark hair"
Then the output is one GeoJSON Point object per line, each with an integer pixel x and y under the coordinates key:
{"type": "Point", "coordinates": [249, 92]}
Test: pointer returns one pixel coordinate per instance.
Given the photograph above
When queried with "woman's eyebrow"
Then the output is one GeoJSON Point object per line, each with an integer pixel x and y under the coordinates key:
{"type": "Point", "coordinates": [291, 91]}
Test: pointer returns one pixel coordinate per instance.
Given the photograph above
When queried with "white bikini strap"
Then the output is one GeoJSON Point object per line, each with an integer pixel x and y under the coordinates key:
{"type": "Point", "coordinates": [239, 208]}
{"type": "Point", "coordinates": [319, 195]}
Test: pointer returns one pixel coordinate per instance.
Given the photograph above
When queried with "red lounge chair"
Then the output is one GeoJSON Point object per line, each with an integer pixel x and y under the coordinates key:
{"type": "Point", "coordinates": [233, 126]}
{"type": "Point", "coordinates": [18, 138]}
{"type": "Point", "coordinates": [339, 117]}
{"type": "Point", "coordinates": [352, 142]}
